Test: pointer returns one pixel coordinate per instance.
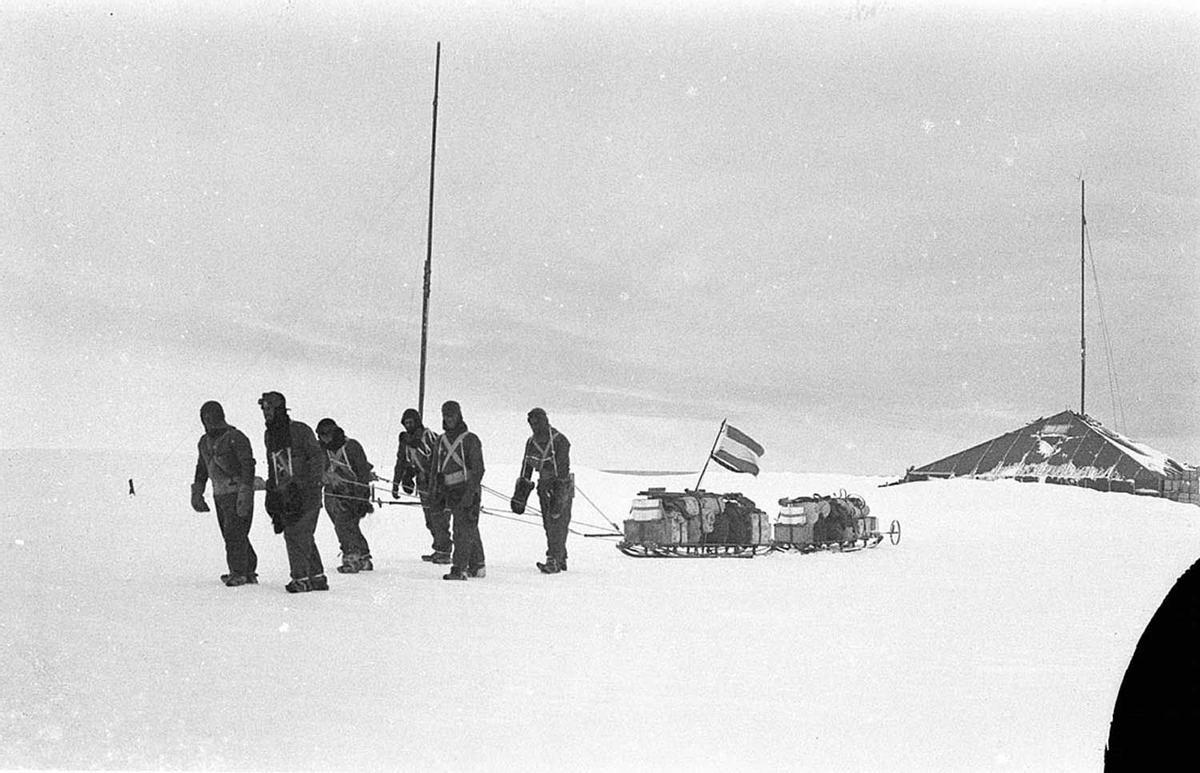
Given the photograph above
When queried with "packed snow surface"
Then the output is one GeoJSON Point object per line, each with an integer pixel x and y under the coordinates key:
{"type": "Point", "coordinates": [994, 636]}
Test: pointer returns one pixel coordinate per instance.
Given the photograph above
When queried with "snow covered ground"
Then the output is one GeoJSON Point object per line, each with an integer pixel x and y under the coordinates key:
{"type": "Point", "coordinates": [994, 636]}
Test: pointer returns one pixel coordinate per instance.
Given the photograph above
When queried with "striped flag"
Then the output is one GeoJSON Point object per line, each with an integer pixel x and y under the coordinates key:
{"type": "Point", "coordinates": [737, 451]}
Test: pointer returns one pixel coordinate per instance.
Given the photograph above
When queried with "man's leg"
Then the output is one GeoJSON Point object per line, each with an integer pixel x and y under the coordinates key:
{"type": "Point", "coordinates": [477, 560]}
{"type": "Point", "coordinates": [304, 559]}
{"type": "Point", "coordinates": [437, 520]}
{"type": "Point", "coordinates": [235, 532]}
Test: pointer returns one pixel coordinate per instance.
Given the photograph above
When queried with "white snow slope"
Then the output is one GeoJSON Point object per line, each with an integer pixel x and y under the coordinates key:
{"type": "Point", "coordinates": [994, 636]}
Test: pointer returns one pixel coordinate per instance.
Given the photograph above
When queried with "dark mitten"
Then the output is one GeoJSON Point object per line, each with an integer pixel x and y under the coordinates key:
{"type": "Point", "coordinates": [274, 506]}
{"type": "Point", "coordinates": [520, 495]}
{"type": "Point", "coordinates": [408, 482]}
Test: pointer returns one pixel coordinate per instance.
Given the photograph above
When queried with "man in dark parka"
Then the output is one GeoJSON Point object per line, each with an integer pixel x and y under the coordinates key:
{"type": "Point", "coordinates": [548, 452]}
{"type": "Point", "coordinates": [295, 463]}
{"type": "Point", "coordinates": [460, 478]}
{"type": "Point", "coordinates": [347, 477]}
{"type": "Point", "coordinates": [226, 458]}
{"type": "Point", "coordinates": [414, 473]}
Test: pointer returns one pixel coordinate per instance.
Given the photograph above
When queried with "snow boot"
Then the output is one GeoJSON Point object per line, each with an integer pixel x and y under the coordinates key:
{"type": "Point", "coordinates": [438, 557]}
{"type": "Point", "coordinates": [364, 563]}
{"type": "Point", "coordinates": [319, 582]}
{"type": "Point", "coordinates": [298, 585]}
{"type": "Point", "coordinates": [234, 580]}
{"type": "Point", "coordinates": [455, 574]}
{"type": "Point", "coordinates": [479, 571]}
{"type": "Point", "coordinates": [350, 564]}
{"type": "Point", "coordinates": [562, 565]}
{"type": "Point", "coordinates": [550, 567]}
{"type": "Point", "coordinates": [251, 579]}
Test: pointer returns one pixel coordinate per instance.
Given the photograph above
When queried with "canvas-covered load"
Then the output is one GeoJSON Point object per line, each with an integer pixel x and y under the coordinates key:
{"type": "Point", "coordinates": [760, 528]}
{"type": "Point", "coordinates": [697, 510]}
{"type": "Point", "coordinates": [838, 526]}
{"type": "Point", "coordinates": [699, 517]}
{"type": "Point", "coordinates": [740, 522]}
{"type": "Point", "coordinates": [821, 519]}
{"type": "Point", "coordinates": [696, 524]}
{"type": "Point", "coordinates": [701, 507]}
{"type": "Point", "coordinates": [856, 506]}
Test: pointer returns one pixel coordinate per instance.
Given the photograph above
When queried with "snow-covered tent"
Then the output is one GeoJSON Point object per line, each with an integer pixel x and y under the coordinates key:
{"type": "Point", "coordinates": [1069, 448]}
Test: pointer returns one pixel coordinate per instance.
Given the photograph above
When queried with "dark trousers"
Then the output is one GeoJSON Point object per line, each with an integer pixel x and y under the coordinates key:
{"type": "Point", "coordinates": [437, 520]}
{"type": "Point", "coordinates": [556, 528]}
{"type": "Point", "coordinates": [468, 546]}
{"type": "Point", "coordinates": [346, 526]}
{"type": "Point", "coordinates": [303, 556]}
{"type": "Point", "coordinates": [239, 553]}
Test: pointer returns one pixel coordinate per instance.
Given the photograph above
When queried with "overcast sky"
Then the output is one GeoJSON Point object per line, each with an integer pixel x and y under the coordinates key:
{"type": "Point", "coordinates": [851, 228]}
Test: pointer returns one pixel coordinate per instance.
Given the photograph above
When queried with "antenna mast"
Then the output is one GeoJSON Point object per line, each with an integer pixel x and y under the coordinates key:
{"type": "Point", "coordinates": [1082, 336]}
{"type": "Point", "coordinates": [437, 68]}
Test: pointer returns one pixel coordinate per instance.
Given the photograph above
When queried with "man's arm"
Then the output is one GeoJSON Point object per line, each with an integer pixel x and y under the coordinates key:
{"type": "Point", "coordinates": [527, 461]}
{"type": "Point", "coordinates": [474, 460]}
{"type": "Point", "coordinates": [358, 461]}
{"type": "Point", "coordinates": [201, 477]}
{"type": "Point", "coordinates": [562, 453]}
{"type": "Point", "coordinates": [240, 444]}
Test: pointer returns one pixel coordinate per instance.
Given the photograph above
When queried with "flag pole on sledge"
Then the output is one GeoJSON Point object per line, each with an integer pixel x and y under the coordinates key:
{"type": "Point", "coordinates": [710, 453]}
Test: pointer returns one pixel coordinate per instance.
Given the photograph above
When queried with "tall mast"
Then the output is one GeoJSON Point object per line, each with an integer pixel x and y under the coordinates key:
{"type": "Point", "coordinates": [1082, 338]}
{"type": "Point", "coordinates": [437, 68]}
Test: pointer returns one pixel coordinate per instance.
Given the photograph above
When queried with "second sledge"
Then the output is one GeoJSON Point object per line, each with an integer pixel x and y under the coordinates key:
{"type": "Point", "coordinates": [839, 522]}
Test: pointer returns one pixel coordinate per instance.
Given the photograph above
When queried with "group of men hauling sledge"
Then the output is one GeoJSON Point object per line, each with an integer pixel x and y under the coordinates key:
{"type": "Point", "coordinates": [444, 471]}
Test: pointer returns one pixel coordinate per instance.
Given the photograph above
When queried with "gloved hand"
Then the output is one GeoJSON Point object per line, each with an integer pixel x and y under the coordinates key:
{"type": "Point", "coordinates": [245, 502]}
{"type": "Point", "coordinates": [259, 484]}
{"type": "Point", "coordinates": [395, 491]}
{"type": "Point", "coordinates": [198, 503]}
{"type": "Point", "coordinates": [408, 482]}
{"type": "Point", "coordinates": [520, 497]}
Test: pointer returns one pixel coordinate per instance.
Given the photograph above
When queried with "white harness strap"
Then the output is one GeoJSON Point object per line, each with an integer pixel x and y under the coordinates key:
{"type": "Point", "coordinates": [545, 454]}
{"type": "Point", "coordinates": [339, 465]}
{"type": "Point", "coordinates": [419, 455]}
{"type": "Point", "coordinates": [452, 452]}
{"type": "Point", "coordinates": [281, 462]}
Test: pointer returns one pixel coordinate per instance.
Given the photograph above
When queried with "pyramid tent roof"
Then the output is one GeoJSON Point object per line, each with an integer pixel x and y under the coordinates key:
{"type": "Point", "coordinates": [1065, 447]}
